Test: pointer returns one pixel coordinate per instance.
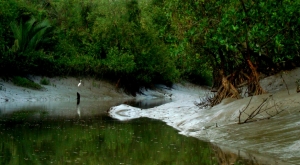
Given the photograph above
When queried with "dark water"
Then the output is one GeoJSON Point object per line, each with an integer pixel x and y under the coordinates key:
{"type": "Point", "coordinates": [34, 135]}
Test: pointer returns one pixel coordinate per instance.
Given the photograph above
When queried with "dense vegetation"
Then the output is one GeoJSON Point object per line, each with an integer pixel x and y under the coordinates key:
{"type": "Point", "coordinates": [139, 43]}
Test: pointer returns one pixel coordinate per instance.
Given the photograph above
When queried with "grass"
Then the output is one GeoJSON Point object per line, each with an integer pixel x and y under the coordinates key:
{"type": "Point", "coordinates": [44, 81]}
{"type": "Point", "coordinates": [24, 82]}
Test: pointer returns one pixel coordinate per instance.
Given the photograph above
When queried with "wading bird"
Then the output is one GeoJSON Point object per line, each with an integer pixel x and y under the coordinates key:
{"type": "Point", "coordinates": [79, 83]}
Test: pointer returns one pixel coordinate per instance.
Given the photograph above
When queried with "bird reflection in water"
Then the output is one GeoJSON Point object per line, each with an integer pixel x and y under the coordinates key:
{"type": "Point", "coordinates": [78, 106]}
{"type": "Point", "coordinates": [78, 110]}
{"type": "Point", "coordinates": [78, 101]}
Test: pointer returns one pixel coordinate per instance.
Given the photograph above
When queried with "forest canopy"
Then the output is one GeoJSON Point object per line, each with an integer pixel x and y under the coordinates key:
{"type": "Point", "coordinates": [134, 43]}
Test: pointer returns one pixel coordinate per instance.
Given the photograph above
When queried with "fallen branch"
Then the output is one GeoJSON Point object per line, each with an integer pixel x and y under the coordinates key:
{"type": "Point", "coordinates": [261, 108]}
{"type": "Point", "coordinates": [244, 110]}
{"type": "Point", "coordinates": [285, 84]}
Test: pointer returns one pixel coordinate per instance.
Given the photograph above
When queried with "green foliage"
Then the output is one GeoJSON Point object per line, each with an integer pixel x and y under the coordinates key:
{"type": "Point", "coordinates": [44, 81]}
{"type": "Point", "coordinates": [24, 82]}
{"type": "Point", "coordinates": [134, 12]}
{"type": "Point", "coordinates": [213, 29]}
{"type": "Point", "coordinates": [28, 35]}
{"type": "Point", "coordinates": [135, 52]}
{"type": "Point", "coordinates": [8, 12]}
{"type": "Point", "coordinates": [119, 61]}
{"type": "Point", "coordinates": [23, 41]}
{"type": "Point", "coordinates": [145, 42]}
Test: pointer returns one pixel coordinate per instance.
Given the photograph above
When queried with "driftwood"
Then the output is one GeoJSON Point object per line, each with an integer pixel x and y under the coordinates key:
{"type": "Point", "coordinates": [262, 109]}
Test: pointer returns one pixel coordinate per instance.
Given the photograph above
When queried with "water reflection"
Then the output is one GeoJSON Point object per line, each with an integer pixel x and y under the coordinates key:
{"type": "Point", "coordinates": [26, 139]}
{"type": "Point", "coordinates": [87, 108]}
{"type": "Point", "coordinates": [57, 133]}
{"type": "Point", "coordinates": [78, 102]}
{"type": "Point", "coordinates": [78, 110]}
{"type": "Point", "coordinates": [34, 137]}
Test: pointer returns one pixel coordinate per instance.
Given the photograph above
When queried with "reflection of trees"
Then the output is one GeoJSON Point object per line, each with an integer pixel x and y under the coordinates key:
{"type": "Point", "coordinates": [97, 140]}
{"type": "Point", "coordinates": [5, 153]}
{"type": "Point", "coordinates": [225, 157]}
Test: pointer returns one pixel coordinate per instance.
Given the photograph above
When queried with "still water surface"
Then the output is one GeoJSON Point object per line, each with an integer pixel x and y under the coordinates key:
{"type": "Point", "coordinates": [41, 135]}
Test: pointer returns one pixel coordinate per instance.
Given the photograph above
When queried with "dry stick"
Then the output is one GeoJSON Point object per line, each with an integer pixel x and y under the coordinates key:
{"type": "Point", "coordinates": [261, 106]}
{"type": "Point", "coordinates": [255, 112]}
{"type": "Point", "coordinates": [281, 109]}
{"type": "Point", "coordinates": [274, 105]}
{"type": "Point", "coordinates": [244, 110]}
{"type": "Point", "coordinates": [285, 84]}
{"type": "Point", "coordinates": [240, 117]}
{"type": "Point", "coordinates": [278, 110]}
{"type": "Point", "coordinates": [258, 110]}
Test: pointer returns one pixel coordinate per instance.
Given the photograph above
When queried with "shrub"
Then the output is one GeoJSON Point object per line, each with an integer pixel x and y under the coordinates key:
{"type": "Point", "coordinates": [24, 82]}
{"type": "Point", "coordinates": [44, 81]}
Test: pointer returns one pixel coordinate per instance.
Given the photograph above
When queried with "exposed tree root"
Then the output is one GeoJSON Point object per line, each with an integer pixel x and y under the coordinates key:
{"type": "Point", "coordinates": [254, 87]}
{"type": "Point", "coordinates": [226, 90]}
{"type": "Point", "coordinates": [231, 84]}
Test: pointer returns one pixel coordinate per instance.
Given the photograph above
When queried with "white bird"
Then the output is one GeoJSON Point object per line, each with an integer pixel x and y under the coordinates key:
{"type": "Point", "coordinates": [79, 83]}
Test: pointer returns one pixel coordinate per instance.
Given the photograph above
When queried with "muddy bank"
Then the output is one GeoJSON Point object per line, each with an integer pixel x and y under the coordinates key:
{"type": "Point", "coordinates": [273, 132]}
{"type": "Point", "coordinates": [60, 97]}
{"type": "Point", "coordinates": [272, 141]}
{"type": "Point", "coordinates": [60, 89]}
{"type": "Point", "coordinates": [61, 92]}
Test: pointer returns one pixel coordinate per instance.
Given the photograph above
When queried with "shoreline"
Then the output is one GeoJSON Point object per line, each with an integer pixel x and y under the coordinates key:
{"type": "Point", "coordinates": [275, 137]}
{"type": "Point", "coordinates": [60, 89]}
{"type": "Point", "coordinates": [62, 93]}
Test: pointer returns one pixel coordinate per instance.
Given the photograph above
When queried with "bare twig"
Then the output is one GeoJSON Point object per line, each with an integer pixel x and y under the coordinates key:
{"type": "Point", "coordinates": [255, 112]}
{"type": "Point", "coordinates": [205, 101]}
{"type": "Point", "coordinates": [261, 108]}
{"type": "Point", "coordinates": [285, 84]}
{"type": "Point", "coordinates": [243, 111]}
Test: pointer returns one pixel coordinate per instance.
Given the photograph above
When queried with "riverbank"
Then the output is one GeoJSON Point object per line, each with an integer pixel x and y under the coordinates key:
{"type": "Point", "coordinates": [274, 139]}
{"type": "Point", "coordinates": [273, 132]}
{"type": "Point", "coordinates": [60, 89]}
{"type": "Point", "coordinates": [61, 92]}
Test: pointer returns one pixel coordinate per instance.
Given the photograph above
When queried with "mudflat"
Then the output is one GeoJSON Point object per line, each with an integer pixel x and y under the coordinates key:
{"type": "Point", "coordinates": [273, 131]}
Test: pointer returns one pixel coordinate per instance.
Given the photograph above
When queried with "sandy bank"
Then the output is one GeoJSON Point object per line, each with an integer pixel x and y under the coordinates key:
{"type": "Point", "coordinates": [60, 96]}
{"type": "Point", "coordinates": [60, 89]}
{"type": "Point", "coordinates": [276, 136]}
